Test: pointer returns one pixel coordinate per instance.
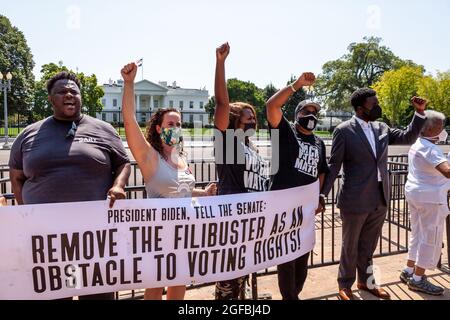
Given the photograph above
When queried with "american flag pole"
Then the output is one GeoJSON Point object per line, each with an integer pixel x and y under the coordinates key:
{"type": "Point", "coordinates": [140, 63]}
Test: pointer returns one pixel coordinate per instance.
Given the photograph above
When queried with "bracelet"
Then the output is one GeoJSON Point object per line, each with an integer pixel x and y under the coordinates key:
{"type": "Point", "coordinates": [292, 87]}
{"type": "Point", "coordinates": [322, 196]}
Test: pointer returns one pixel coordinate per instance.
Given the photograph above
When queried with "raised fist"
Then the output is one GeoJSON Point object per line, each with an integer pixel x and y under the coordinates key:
{"type": "Point", "coordinates": [129, 72]}
{"type": "Point", "coordinates": [307, 79]}
{"type": "Point", "coordinates": [222, 52]}
{"type": "Point", "coordinates": [419, 104]}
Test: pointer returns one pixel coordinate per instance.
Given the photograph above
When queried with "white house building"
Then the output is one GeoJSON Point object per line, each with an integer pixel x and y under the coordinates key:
{"type": "Point", "coordinates": [150, 97]}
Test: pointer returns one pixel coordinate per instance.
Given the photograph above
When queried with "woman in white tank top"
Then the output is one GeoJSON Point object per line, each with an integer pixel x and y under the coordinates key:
{"type": "Point", "coordinates": [160, 159]}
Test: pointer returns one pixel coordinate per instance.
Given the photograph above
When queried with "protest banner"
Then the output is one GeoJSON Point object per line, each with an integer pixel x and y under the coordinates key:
{"type": "Point", "coordinates": [51, 251]}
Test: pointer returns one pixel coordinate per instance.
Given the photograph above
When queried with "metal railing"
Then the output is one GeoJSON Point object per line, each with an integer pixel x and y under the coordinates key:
{"type": "Point", "coordinates": [394, 237]}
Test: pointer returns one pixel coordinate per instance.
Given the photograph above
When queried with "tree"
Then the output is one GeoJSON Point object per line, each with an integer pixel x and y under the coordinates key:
{"type": "Point", "coordinates": [294, 100]}
{"type": "Point", "coordinates": [243, 91]}
{"type": "Point", "coordinates": [269, 91]}
{"type": "Point", "coordinates": [248, 92]}
{"type": "Point", "coordinates": [395, 90]}
{"type": "Point", "coordinates": [210, 108]}
{"type": "Point", "coordinates": [437, 91]}
{"type": "Point", "coordinates": [91, 92]}
{"type": "Point", "coordinates": [362, 66]}
{"type": "Point", "coordinates": [42, 107]}
{"type": "Point", "coordinates": [16, 57]}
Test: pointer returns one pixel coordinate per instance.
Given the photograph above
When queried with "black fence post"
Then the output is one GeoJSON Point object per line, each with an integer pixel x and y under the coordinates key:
{"type": "Point", "coordinates": [448, 241]}
{"type": "Point", "coordinates": [254, 286]}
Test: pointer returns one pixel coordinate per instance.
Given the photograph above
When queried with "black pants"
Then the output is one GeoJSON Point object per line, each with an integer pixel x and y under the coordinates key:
{"type": "Point", "coordinates": [292, 277]}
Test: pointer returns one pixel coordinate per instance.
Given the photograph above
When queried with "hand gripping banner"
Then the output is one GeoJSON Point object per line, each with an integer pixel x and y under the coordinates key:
{"type": "Point", "coordinates": [52, 251]}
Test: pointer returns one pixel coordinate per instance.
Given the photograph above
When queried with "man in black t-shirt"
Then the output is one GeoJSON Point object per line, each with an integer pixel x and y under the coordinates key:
{"type": "Point", "coordinates": [302, 154]}
{"type": "Point", "coordinates": [302, 161]}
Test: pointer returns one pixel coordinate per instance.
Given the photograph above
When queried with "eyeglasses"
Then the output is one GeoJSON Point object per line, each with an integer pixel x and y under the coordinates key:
{"type": "Point", "coordinates": [72, 131]}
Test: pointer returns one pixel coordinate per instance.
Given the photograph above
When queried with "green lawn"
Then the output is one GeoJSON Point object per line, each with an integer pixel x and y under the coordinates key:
{"type": "Point", "coordinates": [323, 134]}
{"type": "Point", "coordinates": [13, 132]}
{"type": "Point", "coordinates": [186, 132]}
{"type": "Point", "coordinates": [209, 132]}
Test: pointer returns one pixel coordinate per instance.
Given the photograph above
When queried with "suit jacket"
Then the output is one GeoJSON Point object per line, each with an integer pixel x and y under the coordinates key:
{"type": "Point", "coordinates": [352, 150]}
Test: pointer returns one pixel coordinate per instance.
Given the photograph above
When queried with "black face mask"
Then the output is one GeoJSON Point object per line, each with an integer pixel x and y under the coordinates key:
{"type": "Point", "coordinates": [373, 114]}
{"type": "Point", "coordinates": [249, 126]}
{"type": "Point", "coordinates": [308, 122]}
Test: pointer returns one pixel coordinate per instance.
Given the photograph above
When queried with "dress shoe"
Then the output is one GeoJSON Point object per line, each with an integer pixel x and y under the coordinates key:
{"type": "Point", "coordinates": [376, 291]}
{"type": "Point", "coordinates": [346, 294]}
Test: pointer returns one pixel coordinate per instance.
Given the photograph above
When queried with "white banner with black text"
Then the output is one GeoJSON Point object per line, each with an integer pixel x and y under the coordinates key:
{"type": "Point", "coordinates": [52, 251]}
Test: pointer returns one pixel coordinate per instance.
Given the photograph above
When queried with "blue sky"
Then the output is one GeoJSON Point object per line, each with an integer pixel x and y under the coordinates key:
{"type": "Point", "coordinates": [270, 40]}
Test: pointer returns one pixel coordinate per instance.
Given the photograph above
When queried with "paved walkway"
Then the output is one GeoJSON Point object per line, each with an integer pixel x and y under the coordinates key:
{"type": "Point", "coordinates": [321, 284]}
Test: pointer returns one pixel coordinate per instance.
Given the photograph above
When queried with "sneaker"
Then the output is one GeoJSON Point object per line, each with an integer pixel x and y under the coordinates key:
{"type": "Point", "coordinates": [405, 276]}
{"type": "Point", "coordinates": [425, 286]}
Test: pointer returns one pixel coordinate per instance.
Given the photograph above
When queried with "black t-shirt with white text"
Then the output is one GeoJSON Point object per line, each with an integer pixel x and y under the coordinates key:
{"type": "Point", "coordinates": [238, 174]}
{"type": "Point", "coordinates": [302, 158]}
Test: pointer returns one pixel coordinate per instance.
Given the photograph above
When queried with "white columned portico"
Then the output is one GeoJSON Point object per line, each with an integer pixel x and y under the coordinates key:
{"type": "Point", "coordinates": [138, 104]}
{"type": "Point", "coordinates": [151, 103]}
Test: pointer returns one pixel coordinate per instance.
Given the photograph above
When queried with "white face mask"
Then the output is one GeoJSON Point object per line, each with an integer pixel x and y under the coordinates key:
{"type": "Point", "coordinates": [442, 137]}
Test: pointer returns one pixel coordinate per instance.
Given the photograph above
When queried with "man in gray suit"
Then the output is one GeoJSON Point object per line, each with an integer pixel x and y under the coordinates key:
{"type": "Point", "coordinates": [360, 145]}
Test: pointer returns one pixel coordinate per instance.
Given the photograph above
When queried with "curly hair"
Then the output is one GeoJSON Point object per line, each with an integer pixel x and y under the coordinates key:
{"type": "Point", "coordinates": [152, 135]}
{"type": "Point", "coordinates": [64, 75]}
